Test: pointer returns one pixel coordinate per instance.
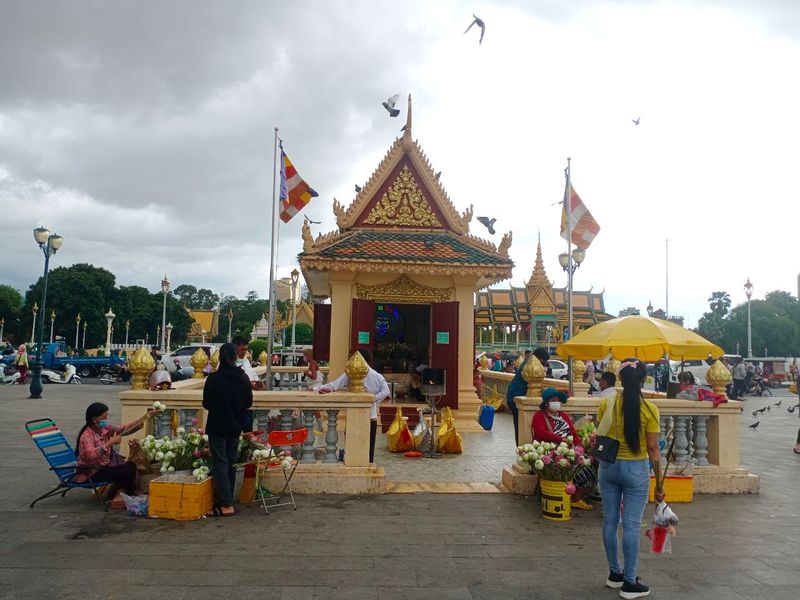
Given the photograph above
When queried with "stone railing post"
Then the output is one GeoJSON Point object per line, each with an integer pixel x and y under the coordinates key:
{"type": "Point", "coordinates": [701, 440]}
{"type": "Point", "coordinates": [681, 441]}
{"type": "Point", "coordinates": [286, 424]}
{"type": "Point", "coordinates": [332, 436]}
{"type": "Point", "coordinates": [308, 446]}
{"type": "Point", "coordinates": [723, 440]}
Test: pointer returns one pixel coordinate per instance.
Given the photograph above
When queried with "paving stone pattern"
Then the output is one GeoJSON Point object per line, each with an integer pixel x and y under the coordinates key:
{"type": "Point", "coordinates": [403, 546]}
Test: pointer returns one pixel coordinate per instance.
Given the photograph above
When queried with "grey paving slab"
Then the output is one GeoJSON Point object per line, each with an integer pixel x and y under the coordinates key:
{"type": "Point", "coordinates": [374, 547]}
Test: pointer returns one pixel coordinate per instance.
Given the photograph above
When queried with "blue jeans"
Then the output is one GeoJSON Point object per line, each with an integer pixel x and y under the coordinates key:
{"type": "Point", "coordinates": [224, 454]}
{"type": "Point", "coordinates": [625, 481]}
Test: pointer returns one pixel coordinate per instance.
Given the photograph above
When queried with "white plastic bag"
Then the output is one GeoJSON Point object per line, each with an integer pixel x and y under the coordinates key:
{"type": "Point", "coordinates": [136, 505]}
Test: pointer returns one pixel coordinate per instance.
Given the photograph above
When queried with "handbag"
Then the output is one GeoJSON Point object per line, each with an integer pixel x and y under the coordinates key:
{"type": "Point", "coordinates": [605, 447]}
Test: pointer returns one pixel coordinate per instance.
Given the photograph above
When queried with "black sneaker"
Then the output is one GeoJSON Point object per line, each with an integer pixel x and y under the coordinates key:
{"type": "Point", "coordinates": [633, 590]}
{"type": "Point", "coordinates": [615, 580]}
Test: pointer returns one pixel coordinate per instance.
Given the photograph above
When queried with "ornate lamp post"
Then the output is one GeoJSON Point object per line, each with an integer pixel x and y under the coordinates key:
{"type": "Point", "coordinates": [77, 329]}
{"type": "Point", "coordinates": [295, 279]}
{"type": "Point", "coordinates": [127, 331]}
{"type": "Point", "coordinates": [230, 319]}
{"type": "Point", "coordinates": [163, 328]}
{"type": "Point", "coordinates": [50, 244]}
{"type": "Point", "coordinates": [748, 291]}
{"type": "Point", "coordinates": [570, 261]}
{"type": "Point", "coordinates": [84, 333]}
{"type": "Point", "coordinates": [2, 327]}
{"type": "Point", "coordinates": [158, 334]}
{"type": "Point", "coordinates": [52, 322]}
{"type": "Point", "coordinates": [169, 334]}
{"type": "Point", "coordinates": [109, 320]}
{"type": "Point", "coordinates": [34, 310]}
{"type": "Point", "coordinates": [203, 333]}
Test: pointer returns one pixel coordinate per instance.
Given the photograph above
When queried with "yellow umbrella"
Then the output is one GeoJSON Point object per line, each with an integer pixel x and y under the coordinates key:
{"type": "Point", "coordinates": [641, 337]}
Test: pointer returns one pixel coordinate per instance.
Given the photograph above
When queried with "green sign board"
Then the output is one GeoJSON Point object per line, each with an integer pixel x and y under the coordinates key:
{"type": "Point", "coordinates": [363, 337]}
{"type": "Point", "coordinates": [442, 337]}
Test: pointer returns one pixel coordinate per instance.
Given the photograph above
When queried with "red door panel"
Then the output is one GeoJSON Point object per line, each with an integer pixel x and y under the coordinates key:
{"type": "Point", "coordinates": [322, 332]}
{"type": "Point", "coordinates": [444, 347]}
{"type": "Point", "coordinates": [362, 324]}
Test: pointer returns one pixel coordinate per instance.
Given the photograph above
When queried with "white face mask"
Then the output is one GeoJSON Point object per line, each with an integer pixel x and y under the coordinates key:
{"type": "Point", "coordinates": [556, 406]}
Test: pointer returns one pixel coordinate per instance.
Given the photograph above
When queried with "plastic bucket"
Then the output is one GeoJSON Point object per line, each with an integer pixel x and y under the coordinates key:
{"type": "Point", "coordinates": [556, 503]}
{"type": "Point", "coordinates": [658, 537]}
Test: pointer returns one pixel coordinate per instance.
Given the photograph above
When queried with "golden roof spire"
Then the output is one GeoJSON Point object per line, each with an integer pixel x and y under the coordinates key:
{"type": "Point", "coordinates": [407, 140]}
{"type": "Point", "coordinates": [538, 277]}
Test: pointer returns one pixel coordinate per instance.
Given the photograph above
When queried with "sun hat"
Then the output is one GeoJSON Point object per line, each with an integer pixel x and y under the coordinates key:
{"type": "Point", "coordinates": [552, 393]}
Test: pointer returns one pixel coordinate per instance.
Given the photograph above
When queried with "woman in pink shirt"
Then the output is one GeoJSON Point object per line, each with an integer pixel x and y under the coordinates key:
{"type": "Point", "coordinates": [96, 455]}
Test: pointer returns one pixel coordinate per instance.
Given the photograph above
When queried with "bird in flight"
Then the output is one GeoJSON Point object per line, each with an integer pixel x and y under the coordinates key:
{"type": "Point", "coordinates": [358, 188]}
{"type": "Point", "coordinates": [488, 223]}
{"type": "Point", "coordinates": [389, 105]}
{"type": "Point", "coordinates": [312, 222]}
{"type": "Point", "coordinates": [754, 425]}
{"type": "Point", "coordinates": [479, 23]}
{"type": "Point", "coordinates": [636, 120]}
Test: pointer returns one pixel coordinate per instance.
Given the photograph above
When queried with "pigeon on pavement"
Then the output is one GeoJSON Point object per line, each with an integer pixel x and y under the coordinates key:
{"type": "Point", "coordinates": [754, 425]}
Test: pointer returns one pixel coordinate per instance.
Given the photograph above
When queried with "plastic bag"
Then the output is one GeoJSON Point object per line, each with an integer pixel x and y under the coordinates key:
{"type": "Point", "coordinates": [660, 535]}
{"type": "Point", "coordinates": [448, 439]}
{"type": "Point", "coordinates": [136, 505]}
{"type": "Point", "coordinates": [423, 438]}
{"type": "Point", "coordinates": [398, 436]}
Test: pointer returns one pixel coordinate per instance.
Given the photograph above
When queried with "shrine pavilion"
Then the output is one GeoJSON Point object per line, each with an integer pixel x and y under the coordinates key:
{"type": "Point", "coordinates": [533, 315]}
{"type": "Point", "coordinates": [401, 272]}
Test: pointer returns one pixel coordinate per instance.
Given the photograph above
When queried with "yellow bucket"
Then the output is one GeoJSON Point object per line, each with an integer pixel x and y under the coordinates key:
{"type": "Point", "coordinates": [556, 503]}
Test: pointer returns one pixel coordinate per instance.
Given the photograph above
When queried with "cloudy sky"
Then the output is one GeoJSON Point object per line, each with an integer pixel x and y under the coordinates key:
{"type": "Point", "coordinates": [142, 132]}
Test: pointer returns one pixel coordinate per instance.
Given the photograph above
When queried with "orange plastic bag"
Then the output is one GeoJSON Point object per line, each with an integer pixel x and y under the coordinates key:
{"type": "Point", "coordinates": [398, 436]}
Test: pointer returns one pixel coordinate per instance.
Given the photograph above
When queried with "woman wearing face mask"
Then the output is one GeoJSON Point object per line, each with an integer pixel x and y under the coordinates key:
{"type": "Point", "coordinates": [96, 455]}
{"type": "Point", "coordinates": [550, 424]}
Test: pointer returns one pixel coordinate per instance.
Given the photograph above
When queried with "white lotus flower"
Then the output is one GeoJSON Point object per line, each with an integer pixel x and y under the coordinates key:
{"type": "Point", "coordinates": [180, 430]}
{"type": "Point", "coordinates": [286, 464]}
{"type": "Point", "coordinates": [171, 469]}
{"type": "Point", "coordinates": [563, 462]}
{"type": "Point", "coordinates": [539, 465]}
{"type": "Point", "coordinates": [159, 455]}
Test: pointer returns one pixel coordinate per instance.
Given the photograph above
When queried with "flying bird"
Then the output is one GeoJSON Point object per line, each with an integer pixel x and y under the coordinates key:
{"type": "Point", "coordinates": [488, 223]}
{"type": "Point", "coordinates": [778, 403]}
{"type": "Point", "coordinates": [636, 120]}
{"type": "Point", "coordinates": [389, 105]}
{"type": "Point", "coordinates": [312, 222]}
{"type": "Point", "coordinates": [358, 189]}
{"type": "Point", "coordinates": [479, 23]}
{"type": "Point", "coordinates": [754, 425]}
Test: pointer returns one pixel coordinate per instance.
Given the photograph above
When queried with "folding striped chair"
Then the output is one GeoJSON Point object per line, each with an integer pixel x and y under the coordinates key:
{"type": "Point", "coordinates": [275, 439]}
{"type": "Point", "coordinates": [62, 460]}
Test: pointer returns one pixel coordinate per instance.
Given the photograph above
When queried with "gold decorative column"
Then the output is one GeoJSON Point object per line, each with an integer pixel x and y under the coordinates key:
{"type": "Point", "coordinates": [484, 362]}
{"type": "Point", "coordinates": [199, 361]}
{"type": "Point", "coordinates": [718, 377]}
{"type": "Point", "coordinates": [612, 366]}
{"type": "Point", "coordinates": [262, 358]}
{"type": "Point", "coordinates": [579, 388]}
{"type": "Point", "coordinates": [214, 361]}
{"type": "Point", "coordinates": [356, 369]}
{"type": "Point", "coordinates": [141, 364]}
{"type": "Point", "coordinates": [519, 360]}
{"type": "Point", "coordinates": [534, 374]}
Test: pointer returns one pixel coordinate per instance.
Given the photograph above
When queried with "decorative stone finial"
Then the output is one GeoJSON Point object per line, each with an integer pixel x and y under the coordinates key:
{"type": "Point", "coordinates": [483, 362]}
{"type": "Point", "coordinates": [505, 244]}
{"type": "Point", "coordinates": [356, 369]}
{"type": "Point", "coordinates": [141, 364]}
{"type": "Point", "coordinates": [199, 361]}
{"type": "Point", "coordinates": [262, 358]}
{"type": "Point", "coordinates": [578, 369]}
{"type": "Point", "coordinates": [518, 362]}
{"type": "Point", "coordinates": [174, 422]}
{"type": "Point", "coordinates": [718, 377]}
{"type": "Point", "coordinates": [534, 373]}
{"type": "Point", "coordinates": [308, 239]}
{"type": "Point", "coordinates": [215, 361]}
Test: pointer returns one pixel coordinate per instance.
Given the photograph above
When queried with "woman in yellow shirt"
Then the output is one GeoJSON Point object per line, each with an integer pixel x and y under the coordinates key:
{"type": "Point", "coordinates": [636, 426]}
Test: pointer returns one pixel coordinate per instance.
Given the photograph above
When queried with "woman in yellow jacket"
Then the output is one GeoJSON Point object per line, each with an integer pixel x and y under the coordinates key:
{"type": "Point", "coordinates": [636, 426]}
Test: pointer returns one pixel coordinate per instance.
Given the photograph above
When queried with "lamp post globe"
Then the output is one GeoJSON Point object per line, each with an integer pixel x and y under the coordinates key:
{"type": "Point", "coordinates": [49, 244]}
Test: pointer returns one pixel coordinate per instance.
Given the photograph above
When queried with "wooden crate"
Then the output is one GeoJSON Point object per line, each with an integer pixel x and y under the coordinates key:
{"type": "Point", "coordinates": [180, 497]}
{"type": "Point", "coordinates": [678, 488]}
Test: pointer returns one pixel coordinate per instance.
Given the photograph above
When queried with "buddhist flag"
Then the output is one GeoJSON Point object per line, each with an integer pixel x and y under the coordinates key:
{"type": "Point", "coordinates": [584, 227]}
{"type": "Point", "coordinates": [295, 193]}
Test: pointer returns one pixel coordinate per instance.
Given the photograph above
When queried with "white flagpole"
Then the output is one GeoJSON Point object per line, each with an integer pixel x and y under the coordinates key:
{"type": "Point", "coordinates": [570, 268]}
{"type": "Point", "coordinates": [272, 252]}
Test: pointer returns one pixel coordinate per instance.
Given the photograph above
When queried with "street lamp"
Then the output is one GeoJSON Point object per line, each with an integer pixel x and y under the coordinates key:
{"type": "Point", "coordinates": [50, 244]}
{"type": "Point", "coordinates": [230, 319]}
{"type": "Point", "coordinates": [165, 291]}
{"type": "Point", "coordinates": [169, 334]}
{"type": "Point", "coordinates": [34, 310]}
{"type": "Point", "coordinates": [570, 261]}
{"type": "Point", "coordinates": [109, 319]}
{"type": "Point", "coordinates": [295, 279]}
{"type": "Point", "coordinates": [77, 329]}
{"type": "Point", "coordinates": [85, 323]}
{"type": "Point", "coordinates": [2, 327]}
{"type": "Point", "coordinates": [127, 331]}
{"type": "Point", "coordinates": [52, 322]}
{"type": "Point", "coordinates": [159, 336]}
{"type": "Point", "coordinates": [203, 333]}
{"type": "Point", "coordinates": [748, 291]}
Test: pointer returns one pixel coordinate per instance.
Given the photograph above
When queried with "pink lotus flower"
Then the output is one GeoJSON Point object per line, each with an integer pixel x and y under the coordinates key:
{"type": "Point", "coordinates": [195, 421]}
{"type": "Point", "coordinates": [547, 459]}
{"type": "Point", "coordinates": [570, 489]}
{"type": "Point", "coordinates": [579, 450]}
{"type": "Point", "coordinates": [197, 454]}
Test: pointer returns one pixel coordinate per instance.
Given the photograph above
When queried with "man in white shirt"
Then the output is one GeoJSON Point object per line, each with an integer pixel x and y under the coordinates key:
{"type": "Point", "coordinates": [374, 383]}
{"type": "Point", "coordinates": [607, 383]}
{"type": "Point", "coordinates": [244, 364]}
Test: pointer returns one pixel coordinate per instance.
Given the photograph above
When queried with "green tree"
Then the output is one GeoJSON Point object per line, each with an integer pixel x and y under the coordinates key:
{"type": "Point", "coordinates": [186, 294]}
{"type": "Point", "coordinates": [720, 303]}
{"type": "Point", "coordinates": [303, 334]}
{"type": "Point", "coordinates": [10, 301]}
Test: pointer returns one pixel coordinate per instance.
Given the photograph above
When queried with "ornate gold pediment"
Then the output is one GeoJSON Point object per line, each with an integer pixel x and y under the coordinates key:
{"type": "Point", "coordinates": [404, 290]}
{"type": "Point", "coordinates": [403, 204]}
{"type": "Point", "coordinates": [542, 304]}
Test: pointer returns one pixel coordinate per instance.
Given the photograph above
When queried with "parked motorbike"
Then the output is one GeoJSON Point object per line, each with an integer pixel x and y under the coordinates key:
{"type": "Point", "coordinates": [758, 387]}
{"type": "Point", "coordinates": [68, 376]}
{"type": "Point", "coordinates": [118, 374]}
{"type": "Point", "coordinates": [9, 374]}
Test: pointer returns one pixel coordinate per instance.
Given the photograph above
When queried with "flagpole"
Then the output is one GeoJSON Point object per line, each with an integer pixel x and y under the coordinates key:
{"type": "Point", "coordinates": [272, 251]}
{"type": "Point", "coordinates": [570, 268]}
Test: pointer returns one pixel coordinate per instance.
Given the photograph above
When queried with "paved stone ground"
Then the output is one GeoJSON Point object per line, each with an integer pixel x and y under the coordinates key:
{"type": "Point", "coordinates": [382, 547]}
